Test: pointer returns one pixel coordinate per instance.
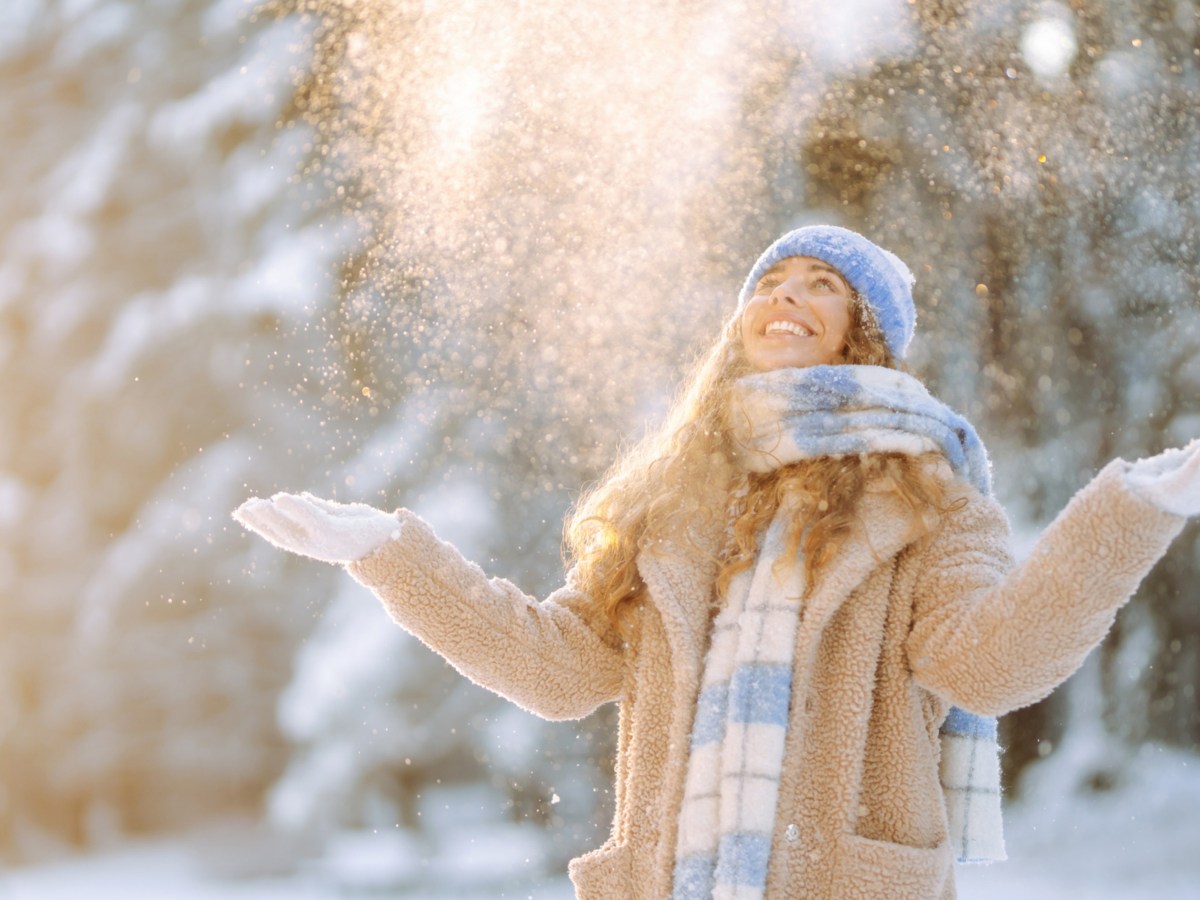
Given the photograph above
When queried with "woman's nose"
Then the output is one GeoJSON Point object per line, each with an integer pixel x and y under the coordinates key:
{"type": "Point", "coordinates": [787, 292]}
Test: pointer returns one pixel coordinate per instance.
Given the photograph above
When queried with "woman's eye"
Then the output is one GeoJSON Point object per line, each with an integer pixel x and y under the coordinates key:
{"type": "Point", "coordinates": [826, 283]}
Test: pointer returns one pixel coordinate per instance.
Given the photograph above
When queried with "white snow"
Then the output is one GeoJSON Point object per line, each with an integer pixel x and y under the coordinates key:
{"type": "Point", "coordinates": [253, 89]}
{"type": "Point", "coordinates": [850, 33]}
{"type": "Point", "coordinates": [22, 20]}
{"type": "Point", "coordinates": [103, 28]}
{"type": "Point", "coordinates": [1049, 46]}
{"type": "Point", "coordinates": [1137, 840]}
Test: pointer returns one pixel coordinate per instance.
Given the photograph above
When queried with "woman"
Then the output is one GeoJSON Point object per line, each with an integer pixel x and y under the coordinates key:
{"type": "Point", "coordinates": [794, 591]}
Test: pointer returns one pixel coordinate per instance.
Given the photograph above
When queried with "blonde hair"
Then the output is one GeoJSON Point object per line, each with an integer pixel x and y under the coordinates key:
{"type": "Point", "coordinates": [661, 483]}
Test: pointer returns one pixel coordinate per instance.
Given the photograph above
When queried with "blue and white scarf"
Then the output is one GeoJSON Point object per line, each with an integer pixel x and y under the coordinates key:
{"type": "Point", "coordinates": [792, 414]}
{"type": "Point", "coordinates": [736, 756]}
{"type": "Point", "coordinates": [731, 791]}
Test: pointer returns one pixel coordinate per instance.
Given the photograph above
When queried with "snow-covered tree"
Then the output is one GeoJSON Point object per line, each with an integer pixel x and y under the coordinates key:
{"type": "Point", "coordinates": [155, 251]}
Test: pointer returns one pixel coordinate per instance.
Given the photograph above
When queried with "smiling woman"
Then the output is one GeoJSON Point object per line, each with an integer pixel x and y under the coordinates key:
{"type": "Point", "coordinates": [801, 595]}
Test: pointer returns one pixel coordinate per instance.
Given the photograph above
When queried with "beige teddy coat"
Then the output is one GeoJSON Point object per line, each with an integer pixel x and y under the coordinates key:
{"type": "Point", "coordinates": [900, 627]}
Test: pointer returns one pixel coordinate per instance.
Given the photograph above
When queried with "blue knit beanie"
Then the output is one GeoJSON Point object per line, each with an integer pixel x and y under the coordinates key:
{"type": "Point", "coordinates": [876, 275]}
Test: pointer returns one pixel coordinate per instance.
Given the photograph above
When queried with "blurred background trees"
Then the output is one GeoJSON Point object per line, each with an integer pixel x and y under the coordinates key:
{"type": "Point", "coordinates": [450, 256]}
{"type": "Point", "coordinates": [156, 246]}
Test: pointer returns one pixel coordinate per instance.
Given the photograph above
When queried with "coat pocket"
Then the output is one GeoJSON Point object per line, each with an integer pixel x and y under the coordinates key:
{"type": "Point", "coordinates": [603, 874]}
{"type": "Point", "coordinates": [867, 869]}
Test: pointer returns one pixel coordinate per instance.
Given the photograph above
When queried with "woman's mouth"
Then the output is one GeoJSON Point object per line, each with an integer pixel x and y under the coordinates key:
{"type": "Point", "coordinates": [786, 326]}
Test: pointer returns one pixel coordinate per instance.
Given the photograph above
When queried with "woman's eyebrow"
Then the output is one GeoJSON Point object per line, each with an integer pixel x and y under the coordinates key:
{"type": "Point", "coordinates": [776, 272]}
{"type": "Point", "coordinates": [832, 271]}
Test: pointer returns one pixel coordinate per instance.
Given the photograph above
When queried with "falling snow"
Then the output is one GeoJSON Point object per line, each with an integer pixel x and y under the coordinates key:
{"type": "Point", "coordinates": [451, 255]}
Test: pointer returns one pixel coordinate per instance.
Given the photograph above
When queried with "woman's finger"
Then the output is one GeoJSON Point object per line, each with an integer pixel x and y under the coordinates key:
{"type": "Point", "coordinates": [333, 507]}
{"type": "Point", "coordinates": [302, 512]}
{"type": "Point", "coordinates": [266, 520]}
{"type": "Point", "coordinates": [255, 514]}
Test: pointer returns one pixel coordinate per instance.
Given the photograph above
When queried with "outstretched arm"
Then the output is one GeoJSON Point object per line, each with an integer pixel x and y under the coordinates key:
{"type": "Point", "coordinates": [558, 659]}
{"type": "Point", "coordinates": [991, 638]}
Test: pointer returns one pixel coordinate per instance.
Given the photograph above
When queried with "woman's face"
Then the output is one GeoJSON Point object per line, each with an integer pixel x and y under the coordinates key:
{"type": "Point", "coordinates": [799, 316]}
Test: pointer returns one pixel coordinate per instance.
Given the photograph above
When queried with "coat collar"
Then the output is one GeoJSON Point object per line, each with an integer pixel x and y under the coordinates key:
{"type": "Point", "coordinates": [680, 575]}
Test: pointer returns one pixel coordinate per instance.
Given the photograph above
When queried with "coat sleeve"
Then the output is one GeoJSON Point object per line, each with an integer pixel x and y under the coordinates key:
{"type": "Point", "coordinates": [991, 638]}
{"type": "Point", "coordinates": [558, 658]}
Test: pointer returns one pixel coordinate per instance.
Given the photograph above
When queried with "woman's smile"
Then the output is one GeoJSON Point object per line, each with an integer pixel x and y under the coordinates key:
{"type": "Point", "coordinates": [785, 326]}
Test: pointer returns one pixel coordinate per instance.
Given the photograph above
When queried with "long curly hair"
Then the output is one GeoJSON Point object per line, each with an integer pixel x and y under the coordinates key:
{"type": "Point", "coordinates": [667, 479]}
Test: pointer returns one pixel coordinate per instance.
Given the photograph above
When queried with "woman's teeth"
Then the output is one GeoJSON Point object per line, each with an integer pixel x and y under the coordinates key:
{"type": "Point", "coordinates": [785, 327]}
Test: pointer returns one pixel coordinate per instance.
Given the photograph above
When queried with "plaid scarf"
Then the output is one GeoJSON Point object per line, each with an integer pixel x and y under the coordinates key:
{"type": "Point", "coordinates": [736, 756]}
{"type": "Point", "coordinates": [731, 791]}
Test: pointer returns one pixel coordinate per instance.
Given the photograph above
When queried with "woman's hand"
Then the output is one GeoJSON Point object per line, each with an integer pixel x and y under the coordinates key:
{"type": "Point", "coordinates": [323, 529]}
{"type": "Point", "coordinates": [1170, 480]}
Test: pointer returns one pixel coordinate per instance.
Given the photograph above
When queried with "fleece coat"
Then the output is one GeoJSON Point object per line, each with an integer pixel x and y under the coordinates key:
{"type": "Point", "coordinates": [901, 626]}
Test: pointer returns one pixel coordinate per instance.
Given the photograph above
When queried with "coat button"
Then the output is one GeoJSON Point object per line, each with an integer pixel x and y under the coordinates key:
{"type": "Point", "coordinates": [792, 833]}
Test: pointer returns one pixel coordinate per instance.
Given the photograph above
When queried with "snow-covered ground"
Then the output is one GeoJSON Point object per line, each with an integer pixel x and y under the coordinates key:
{"type": "Point", "coordinates": [475, 863]}
{"type": "Point", "coordinates": [1140, 839]}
